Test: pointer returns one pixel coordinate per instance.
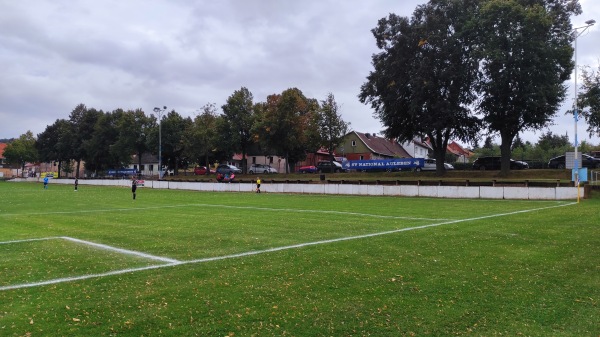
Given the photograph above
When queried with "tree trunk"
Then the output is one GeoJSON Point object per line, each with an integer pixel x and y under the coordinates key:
{"type": "Point", "coordinates": [505, 155]}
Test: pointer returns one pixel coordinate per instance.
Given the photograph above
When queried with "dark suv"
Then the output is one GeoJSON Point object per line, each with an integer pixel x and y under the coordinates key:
{"type": "Point", "coordinates": [325, 166]}
{"type": "Point", "coordinates": [585, 161]}
{"type": "Point", "coordinates": [493, 163]}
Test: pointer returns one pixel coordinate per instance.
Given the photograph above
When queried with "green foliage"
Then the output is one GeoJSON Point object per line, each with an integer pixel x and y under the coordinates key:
{"type": "Point", "coordinates": [100, 154]}
{"type": "Point", "coordinates": [56, 143]}
{"type": "Point", "coordinates": [331, 127]}
{"type": "Point", "coordinates": [200, 139]}
{"type": "Point", "coordinates": [494, 267]}
{"type": "Point", "coordinates": [549, 142]}
{"type": "Point", "coordinates": [83, 121]}
{"type": "Point", "coordinates": [524, 64]}
{"type": "Point", "coordinates": [283, 124]}
{"type": "Point", "coordinates": [133, 127]}
{"type": "Point", "coordinates": [238, 113]}
{"type": "Point", "coordinates": [424, 75]}
{"type": "Point", "coordinates": [22, 150]}
{"type": "Point", "coordinates": [590, 98]}
{"type": "Point", "coordinates": [173, 129]}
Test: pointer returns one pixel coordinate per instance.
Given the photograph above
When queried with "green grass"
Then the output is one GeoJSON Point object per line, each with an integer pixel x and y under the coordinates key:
{"type": "Point", "coordinates": [490, 268]}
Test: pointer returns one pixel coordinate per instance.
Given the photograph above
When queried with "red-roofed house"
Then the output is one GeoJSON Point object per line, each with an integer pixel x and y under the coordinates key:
{"type": "Point", "coordinates": [366, 146]}
{"type": "Point", "coordinates": [314, 158]}
{"type": "Point", "coordinates": [462, 154]}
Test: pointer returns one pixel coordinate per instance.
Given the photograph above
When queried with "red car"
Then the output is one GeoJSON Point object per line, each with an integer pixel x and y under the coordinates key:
{"type": "Point", "coordinates": [307, 169]}
{"type": "Point", "coordinates": [201, 170]}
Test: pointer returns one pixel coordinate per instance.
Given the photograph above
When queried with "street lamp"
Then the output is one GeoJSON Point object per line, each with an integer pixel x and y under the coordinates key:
{"type": "Point", "coordinates": [576, 32]}
{"type": "Point", "coordinates": [159, 113]}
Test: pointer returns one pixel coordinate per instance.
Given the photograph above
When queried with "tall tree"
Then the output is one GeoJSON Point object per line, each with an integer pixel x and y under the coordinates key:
{"type": "Point", "coordinates": [133, 128]}
{"type": "Point", "coordinates": [590, 99]}
{"type": "Point", "coordinates": [55, 143]}
{"type": "Point", "coordinates": [239, 115]}
{"type": "Point", "coordinates": [173, 128]}
{"type": "Point", "coordinates": [83, 121]}
{"type": "Point", "coordinates": [200, 138]}
{"type": "Point", "coordinates": [284, 124]}
{"type": "Point", "coordinates": [524, 63]}
{"type": "Point", "coordinates": [548, 141]}
{"type": "Point", "coordinates": [331, 127]}
{"type": "Point", "coordinates": [100, 153]}
{"type": "Point", "coordinates": [22, 150]}
{"type": "Point", "coordinates": [423, 77]}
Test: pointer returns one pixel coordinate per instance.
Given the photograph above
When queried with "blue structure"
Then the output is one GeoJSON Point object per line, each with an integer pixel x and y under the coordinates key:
{"type": "Point", "coordinates": [384, 164]}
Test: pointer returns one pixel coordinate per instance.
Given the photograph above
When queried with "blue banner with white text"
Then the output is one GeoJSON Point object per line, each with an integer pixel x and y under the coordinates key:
{"type": "Point", "coordinates": [384, 164]}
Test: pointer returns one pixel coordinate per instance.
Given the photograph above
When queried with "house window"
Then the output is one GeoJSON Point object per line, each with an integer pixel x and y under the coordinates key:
{"type": "Point", "coordinates": [253, 160]}
{"type": "Point", "coordinates": [362, 157]}
{"type": "Point", "coordinates": [270, 160]}
{"type": "Point", "coordinates": [151, 167]}
{"type": "Point", "coordinates": [141, 167]}
{"type": "Point", "coordinates": [135, 167]}
{"type": "Point", "coordinates": [353, 143]}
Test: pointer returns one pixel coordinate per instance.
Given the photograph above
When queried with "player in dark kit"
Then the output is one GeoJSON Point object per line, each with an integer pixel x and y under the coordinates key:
{"type": "Point", "coordinates": [133, 186]}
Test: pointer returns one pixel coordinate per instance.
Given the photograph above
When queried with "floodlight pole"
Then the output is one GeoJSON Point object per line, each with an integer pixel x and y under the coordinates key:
{"type": "Point", "coordinates": [577, 33]}
{"type": "Point", "coordinates": [159, 113]}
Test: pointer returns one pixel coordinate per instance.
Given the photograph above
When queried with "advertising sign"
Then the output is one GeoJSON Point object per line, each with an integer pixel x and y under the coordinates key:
{"type": "Point", "coordinates": [122, 172]}
{"type": "Point", "coordinates": [384, 164]}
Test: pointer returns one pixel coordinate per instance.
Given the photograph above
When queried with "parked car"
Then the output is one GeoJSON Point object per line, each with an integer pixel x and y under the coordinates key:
{"type": "Point", "coordinates": [307, 169]}
{"type": "Point", "coordinates": [493, 163]}
{"type": "Point", "coordinates": [260, 168]}
{"type": "Point", "coordinates": [325, 166]}
{"type": "Point", "coordinates": [224, 168]}
{"type": "Point", "coordinates": [585, 161]}
{"type": "Point", "coordinates": [430, 165]}
{"type": "Point", "coordinates": [201, 170]}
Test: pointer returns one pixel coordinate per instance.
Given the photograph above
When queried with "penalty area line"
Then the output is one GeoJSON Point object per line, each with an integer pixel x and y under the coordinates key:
{"type": "Point", "coordinates": [120, 250]}
{"type": "Point", "coordinates": [269, 250]}
{"type": "Point", "coordinates": [97, 245]}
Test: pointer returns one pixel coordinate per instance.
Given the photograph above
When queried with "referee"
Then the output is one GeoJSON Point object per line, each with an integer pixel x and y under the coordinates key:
{"type": "Point", "coordinates": [133, 186]}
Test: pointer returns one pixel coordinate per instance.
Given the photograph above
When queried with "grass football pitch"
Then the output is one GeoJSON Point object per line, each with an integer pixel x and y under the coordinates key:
{"type": "Point", "coordinates": [94, 262]}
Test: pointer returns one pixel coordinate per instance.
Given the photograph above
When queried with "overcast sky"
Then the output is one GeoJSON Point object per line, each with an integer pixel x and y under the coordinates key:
{"type": "Point", "coordinates": [184, 54]}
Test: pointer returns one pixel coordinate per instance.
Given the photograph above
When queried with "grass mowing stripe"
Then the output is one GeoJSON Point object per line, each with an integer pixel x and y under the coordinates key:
{"type": "Point", "coordinates": [225, 206]}
{"type": "Point", "coordinates": [270, 250]}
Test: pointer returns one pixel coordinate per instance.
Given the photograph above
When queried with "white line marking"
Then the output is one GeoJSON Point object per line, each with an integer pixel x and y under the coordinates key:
{"type": "Point", "coordinates": [120, 250]}
{"type": "Point", "coordinates": [83, 277]}
{"type": "Point", "coordinates": [276, 249]}
{"type": "Point", "coordinates": [228, 206]}
{"type": "Point", "coordinates": [319, 211]}
{"type": "Point", "coordinates": [101, 246]}
{"type": "Point", "coordinates": [28, 240]}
